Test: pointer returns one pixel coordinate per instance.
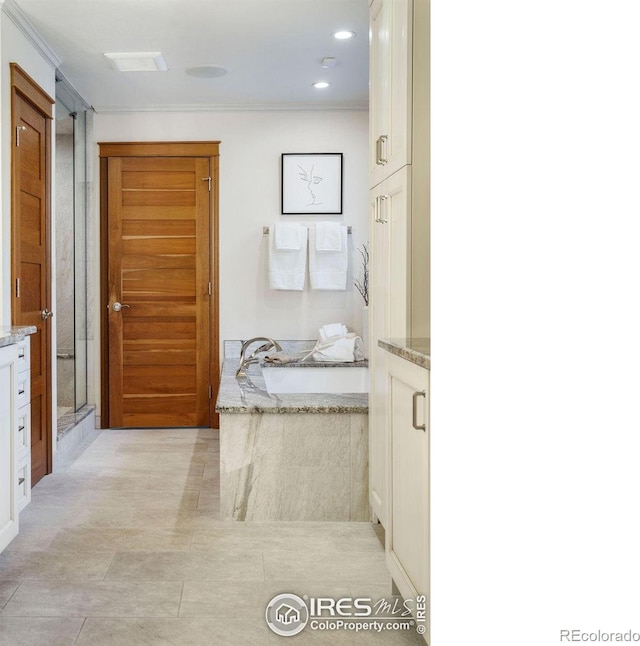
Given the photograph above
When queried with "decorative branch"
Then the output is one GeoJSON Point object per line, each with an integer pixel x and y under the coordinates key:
{"type": "Point", "coordinates": [362, 283]}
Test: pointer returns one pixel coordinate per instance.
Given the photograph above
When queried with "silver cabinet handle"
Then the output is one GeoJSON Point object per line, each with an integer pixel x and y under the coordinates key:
{"type": "Point", "coordinates": [382, 218]}
{"type": "Point", "coordinates": [383, 152]}
{"type": "Point", "coordinates": [378, 211]}
{"type": "Point", "coordinates": [46, 314]}
{"type": "Point", "coordinates": [116, 307]}
{"type": "Point", "coordinates": [381, 158]}
{"type": "Point", "coordinates": [419, 393]}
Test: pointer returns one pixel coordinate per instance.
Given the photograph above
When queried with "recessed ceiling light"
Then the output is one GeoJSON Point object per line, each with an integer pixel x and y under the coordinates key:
{"type": "Point", "coordinates": [344, 34]}
{"type": "Point", "coordinates": [138, 61]}
{"type": "Point", "coordinates": [321, 85]}
{"type": "Point", "coordinates": [206, 71]}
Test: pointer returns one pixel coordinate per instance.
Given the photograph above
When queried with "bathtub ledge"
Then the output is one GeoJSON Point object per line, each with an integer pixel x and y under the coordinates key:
{"type": "Point", "coordinates": [252, 397]}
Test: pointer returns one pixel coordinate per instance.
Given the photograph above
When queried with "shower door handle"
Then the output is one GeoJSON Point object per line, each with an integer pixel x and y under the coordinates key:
{"type": "Point", "coordinates": [46, 314]}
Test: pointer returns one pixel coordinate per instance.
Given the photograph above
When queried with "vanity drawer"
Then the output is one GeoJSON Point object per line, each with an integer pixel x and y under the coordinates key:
{"type": "Point", "coordinates": [24, 388]}
{"type": "Point", "coordinates": [23, 362]}
{"type": "Point", "coordinates": [23, 432]}
{"type": "Point", "coordinates": [23, 485]}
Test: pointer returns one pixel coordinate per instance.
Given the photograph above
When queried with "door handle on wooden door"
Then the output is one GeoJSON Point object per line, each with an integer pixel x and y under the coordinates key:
{"type": "Point", "coordinates": [46, 314]}
{"type": "Point", "coordinates": [116, 307]}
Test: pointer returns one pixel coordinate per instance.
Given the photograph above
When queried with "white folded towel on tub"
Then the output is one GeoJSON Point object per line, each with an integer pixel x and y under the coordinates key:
{"type": "Point", "coordinates": [341, 350]}
{"type": "Point", "coordinates": [331, 330]}
{"type": "Point", "coordinates": [328, 269]}
{"type": "Point", "coordinates": [287, 267]}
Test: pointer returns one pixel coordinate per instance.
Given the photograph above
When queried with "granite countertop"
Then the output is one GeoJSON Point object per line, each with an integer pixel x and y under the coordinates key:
{"type": "Point", "coordinates": [11, 335]}
{"type": "Point", "coordinates": [251, 396]}
{"type": "Point", "coordinates": [416, 351]}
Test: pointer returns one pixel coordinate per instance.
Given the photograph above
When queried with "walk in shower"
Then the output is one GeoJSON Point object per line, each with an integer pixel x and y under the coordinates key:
{"type": "Point", "coordinates": [71, 201]}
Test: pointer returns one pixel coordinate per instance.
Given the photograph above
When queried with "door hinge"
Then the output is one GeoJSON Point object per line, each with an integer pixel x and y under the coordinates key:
{"type": "Point", "coordinates": [17, 288]}
{"type": "Point", "coordinates": [207, 179]}
{"type": "Point", "coordinates": [210, 392]}
{"type": "Point", "coordinates": [210, 289]}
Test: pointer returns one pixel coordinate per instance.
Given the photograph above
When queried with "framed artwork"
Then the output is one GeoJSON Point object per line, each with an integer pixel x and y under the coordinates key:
{"type": "Point", "coordinates": [311, 183]}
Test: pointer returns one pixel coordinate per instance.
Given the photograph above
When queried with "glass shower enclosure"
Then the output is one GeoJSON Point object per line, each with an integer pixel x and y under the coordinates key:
{"type": "Point", "coordinates": [71, 186]}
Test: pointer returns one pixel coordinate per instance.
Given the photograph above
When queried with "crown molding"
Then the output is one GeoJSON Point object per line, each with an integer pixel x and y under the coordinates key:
{"type": "Point", "coordinates": [19, 18]}
{"type": "Point", "coordinates": [239, 107]}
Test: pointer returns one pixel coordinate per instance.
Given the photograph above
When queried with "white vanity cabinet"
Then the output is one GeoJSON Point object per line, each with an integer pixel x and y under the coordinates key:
{"type": "Point", "coordinates": [8, 392]}
{"type": "Point", "coordinates": [15, 436]}
{"type": "Point", "coordinates": [22, 426]}
{"type": "Point", "coordinates": [390, 87]}
{"type": "Point", "coordinates": [407, 531]}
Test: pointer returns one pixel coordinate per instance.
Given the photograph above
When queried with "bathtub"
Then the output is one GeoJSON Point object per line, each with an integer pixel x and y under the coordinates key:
{"type": "Point", "coordinates": [323, 380]}
{"type": "Point", "coordinates": [294, 441]}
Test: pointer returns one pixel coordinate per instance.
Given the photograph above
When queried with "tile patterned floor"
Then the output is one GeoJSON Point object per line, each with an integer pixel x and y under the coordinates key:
{"type": "Point", "coordinates": [125, 547]}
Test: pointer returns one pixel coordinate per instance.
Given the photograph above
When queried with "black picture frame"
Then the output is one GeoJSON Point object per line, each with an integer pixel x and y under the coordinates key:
{"type": "Point", "coordinates": [311, 183]}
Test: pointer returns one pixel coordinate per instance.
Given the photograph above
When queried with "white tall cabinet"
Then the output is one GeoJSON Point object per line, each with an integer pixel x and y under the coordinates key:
{"type": "Point", "coordinates": [399, 281]}
{"type": "Point", "coordinates": [399, 203]}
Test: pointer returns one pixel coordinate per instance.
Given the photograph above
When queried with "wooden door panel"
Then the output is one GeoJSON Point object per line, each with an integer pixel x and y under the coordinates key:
{"type": "Point", "coordinates": [134, 197]}
{"type": "Point", "coordinates": [171, 180]}
{"type": "Point", "coordinates": [171, 228]}
{"type": "Point", "coordinates": [156, 212]}
{"type": "Point", "coordinates": [159, 357]}
{"type": "Point", "coordinates": [159, 265]}
{"type": "Point", "coordinates": [157, 246]}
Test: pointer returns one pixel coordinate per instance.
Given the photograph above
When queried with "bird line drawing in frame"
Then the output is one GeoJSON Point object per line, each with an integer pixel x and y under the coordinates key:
{"type": "Point", "coordinates": [310, 179]}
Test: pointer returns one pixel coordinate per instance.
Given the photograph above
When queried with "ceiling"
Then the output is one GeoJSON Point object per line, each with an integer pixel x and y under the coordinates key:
{"type": "Point", "coordinates": [271, 48]}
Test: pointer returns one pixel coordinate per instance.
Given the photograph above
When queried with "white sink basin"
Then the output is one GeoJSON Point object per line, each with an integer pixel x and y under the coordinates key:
{"type": "Point", "coordinates": [316, 380]}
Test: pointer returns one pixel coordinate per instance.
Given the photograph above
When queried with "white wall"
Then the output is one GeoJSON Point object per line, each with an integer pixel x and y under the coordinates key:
{"type": "Point", "coordinates": [251, 144]}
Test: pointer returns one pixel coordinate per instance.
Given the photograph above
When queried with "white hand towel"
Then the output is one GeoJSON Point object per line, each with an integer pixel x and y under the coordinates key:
{"type": "Point", "coordinates": [328, 269]}
{"type": "Point", "coordinates": [328, 236]}
{"type": "Point", "coordinates": [287, 269]}
{"type": "Point", "coordinates": [288, 236]}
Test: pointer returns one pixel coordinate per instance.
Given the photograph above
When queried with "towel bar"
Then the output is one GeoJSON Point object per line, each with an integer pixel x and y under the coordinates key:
{"type": "Point", "coordinates": [265, 230]}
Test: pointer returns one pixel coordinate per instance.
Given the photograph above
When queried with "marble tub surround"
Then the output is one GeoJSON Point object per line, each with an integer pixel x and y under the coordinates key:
{"type": "Point", "coordinates": [308, 464]}
{"type": "Point", "coordinates": [296, 350]}
{"type": "Point", "coordinates": [415, 350]}
{"type": "Point", "coordinates": [295, 467]}
{"type": "Point", "coordinates": [15, 334]}
{"type": "Point", "coordinates": [251, 395]}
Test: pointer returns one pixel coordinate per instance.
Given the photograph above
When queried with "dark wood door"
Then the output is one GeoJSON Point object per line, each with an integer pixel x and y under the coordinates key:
{"type": "Point", "coordinates": [159, 291]}
{"type": "Point", "coordinates": [31, 266]}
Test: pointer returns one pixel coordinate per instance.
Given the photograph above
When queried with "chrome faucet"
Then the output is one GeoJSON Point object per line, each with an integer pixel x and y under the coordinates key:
{"type": "Point", "coordinates": [253, 358]}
